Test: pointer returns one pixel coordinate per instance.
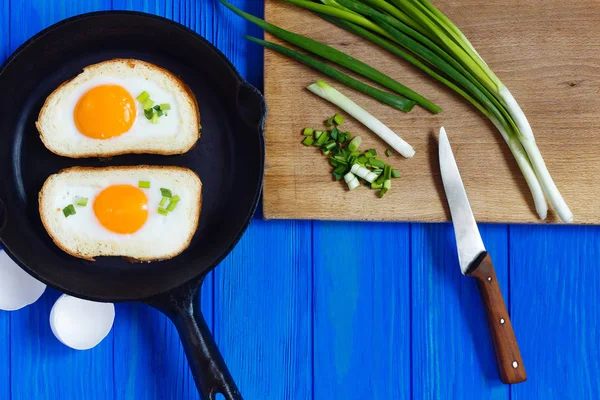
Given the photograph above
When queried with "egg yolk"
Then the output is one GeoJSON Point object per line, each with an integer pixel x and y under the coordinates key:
{"type": "Point", "coordinates": [105, 112]}
{"type": "Point", "coordinates": [121, 208]}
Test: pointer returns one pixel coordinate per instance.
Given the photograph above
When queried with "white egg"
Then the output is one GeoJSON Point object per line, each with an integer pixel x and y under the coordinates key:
{"type": "Point", "coordinates": [115, 128]}
{"type": "Point", "coordinates": [85, 235]}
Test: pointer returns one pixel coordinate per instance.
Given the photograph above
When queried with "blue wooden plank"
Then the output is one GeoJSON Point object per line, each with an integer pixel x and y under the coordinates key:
{"type": "Point", "coordinates": [149, 359]}
{"type": "Point", "coordinates": [5, 370]}
{"type": "Point", "coordinates": [361, 311]}
{"type": "Point", "coordinates": [29, 17]}
{"type": "Point", "coordinates": [452, 354]}
{"type": "Point", "coordinates": [263, 289]}
{"type": "Point", "coordinates": [43, 368]}
{"type": "Point", "coordinates": [263, 311]}
{"type": "Point", "coordinates": [554, 304]}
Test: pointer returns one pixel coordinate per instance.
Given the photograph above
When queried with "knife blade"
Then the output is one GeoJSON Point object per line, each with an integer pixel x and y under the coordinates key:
{"type": "Point", "coordinates": [468, 240]}
{"type": "Point", "coordinates": [477, 263]}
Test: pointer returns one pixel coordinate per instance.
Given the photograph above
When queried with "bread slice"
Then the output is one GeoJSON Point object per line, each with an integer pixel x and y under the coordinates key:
{"type": "Point", "coordinates": [82, 235]}
{"type": "Point", "coordinates": [176, 133]}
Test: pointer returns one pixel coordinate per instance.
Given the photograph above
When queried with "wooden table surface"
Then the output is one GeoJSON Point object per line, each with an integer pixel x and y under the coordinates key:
{"type": "Point", "coordinates": [325, 310]}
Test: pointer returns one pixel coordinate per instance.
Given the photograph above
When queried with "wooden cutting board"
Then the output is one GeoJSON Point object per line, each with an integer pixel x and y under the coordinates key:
{"type": "Point", "coordinates": [546, 51]}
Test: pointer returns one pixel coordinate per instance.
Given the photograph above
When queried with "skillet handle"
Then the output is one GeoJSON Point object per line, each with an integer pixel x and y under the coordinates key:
{"type": "Point", "coordinates": [210, 372]}
{"type": "Point", "coordinates": [251, 105]}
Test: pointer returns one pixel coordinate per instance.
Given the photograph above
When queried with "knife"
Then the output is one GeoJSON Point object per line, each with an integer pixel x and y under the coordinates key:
{"type": "Point", "coordinates": [476, 262]}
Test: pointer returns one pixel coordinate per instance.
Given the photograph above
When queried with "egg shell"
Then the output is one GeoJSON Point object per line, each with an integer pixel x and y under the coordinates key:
{"type": "Point", "coordinates": [17, 288]}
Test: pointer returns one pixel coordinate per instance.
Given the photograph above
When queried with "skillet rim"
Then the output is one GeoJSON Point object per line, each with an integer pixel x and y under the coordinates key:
{"type": "Point", "coordinates": [259, 130]}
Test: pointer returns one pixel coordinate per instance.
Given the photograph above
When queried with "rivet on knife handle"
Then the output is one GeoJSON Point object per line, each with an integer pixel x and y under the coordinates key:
{"type": "Point", "coordinates": [508, 356]}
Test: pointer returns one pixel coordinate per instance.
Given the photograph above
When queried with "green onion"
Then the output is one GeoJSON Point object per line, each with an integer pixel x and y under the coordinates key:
{"type": "Point", "coordinates": [308, 132]}
{"type": "Point", "coordinates": [154, 119]}
{"type": "Point", "coordinates": [372, 151]}
{"type": "Point", "coordinates": [69, 210]}
{"type": "Point", "coordinates": [323, 138]}
{"type": "Point", "coordinates": [351, 181]}
{"type": "Point", "coordinates": [162, 211]}
{"type": "Point", "coordinates": [147, 104]}
{"type": "Point", "coordinates": [149, 113]}
{"type": "Point", "coordinates": [172, 205]}
{"type": "Point", "coordinates": [395, 101]}
{"type": "Point", "coordinates": [337, 56]}
{"type": "Point", "coordinates": [421, 34]}
{"type": "Point", "coordinates": [144, 184]}
{"type": "Point", "coordinates": [325, 91]}
{"type": "Point", "coordinates": [334, 133]}
{"type": "Point", "coordinates": [165, 106]}
{"type": "Point", "coordinates": [308, 141]}
{"type": "Point", "coordinates": [339, 171]}
{"type": "Point", "coordinates": [163, 201]}
{"type": "Point", "coordinates": [354, 143]}
{"type": "Point", "coordinates": [395, 173]}
{"type": "Point", "coordinates": [166, 192]}
{"type": "Point", "coordinates": [143, 97]}
{"type": "Point", "coordinates": [388, 153]}
{"type": "Point", "coordinates": [376, 185]}
{"type": "Point", "coordinates": [376, 163]}
{"type": "Point", "coordinates": [329, 122]}
{"type": "Point", "coordinates": [363, 173]}
{"type": "Point", "coordinates": [338, 119]}
{"type": "Point", "coordinates": [82, 201]}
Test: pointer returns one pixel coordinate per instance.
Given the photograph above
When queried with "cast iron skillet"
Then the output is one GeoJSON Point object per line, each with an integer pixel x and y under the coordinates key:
{"type": "Point", "coordinates": [229, 158]}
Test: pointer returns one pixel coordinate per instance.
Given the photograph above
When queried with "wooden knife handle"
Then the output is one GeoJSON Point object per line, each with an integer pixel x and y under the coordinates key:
{"type": "Point", "coordinates": [508, 356]}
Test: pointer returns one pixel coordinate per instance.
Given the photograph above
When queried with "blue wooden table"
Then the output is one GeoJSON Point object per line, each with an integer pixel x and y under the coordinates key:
{"type": "Point", "coordinates": [298, 318]}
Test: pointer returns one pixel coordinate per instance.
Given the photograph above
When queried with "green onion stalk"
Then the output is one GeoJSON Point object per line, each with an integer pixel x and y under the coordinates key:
{"type": "Point", "coordinates": [422, 35]}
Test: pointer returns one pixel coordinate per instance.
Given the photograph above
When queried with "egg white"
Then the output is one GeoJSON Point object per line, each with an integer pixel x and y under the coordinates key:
{"type": "Point", "coordinates": [159, 235]}
{"type": "Point", "coordinates": [142, 127]}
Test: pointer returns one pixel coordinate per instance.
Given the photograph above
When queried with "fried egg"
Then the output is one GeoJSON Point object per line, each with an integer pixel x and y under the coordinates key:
{"type": "Point", "coordinates": [100, 112]}
{"type": "Point", "coordinates": [110, 211]}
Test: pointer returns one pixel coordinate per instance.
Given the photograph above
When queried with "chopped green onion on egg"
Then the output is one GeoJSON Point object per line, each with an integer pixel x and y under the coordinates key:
{"type": "Point", "coordinates": [144, 184]}
{"type": "Point", "coordinates": [69, 210]}
{"type": "Point", "coordinates": [143, 96]}
{"type": "Point", "coordinates": [162, 211]}
{"type": "Point", "coordinates": [82, 201]}
{"type": "Point", "coordinates": [166, 192]}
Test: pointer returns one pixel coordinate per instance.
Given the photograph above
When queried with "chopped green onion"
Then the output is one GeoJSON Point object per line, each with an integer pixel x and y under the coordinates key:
{"type": "Point", "coordinates": [160, 113]}
{"type": "Point", "coordinates": [162, 211]}
{"type": "Point", "coordinates": [334, 133]}
{"type": "Point", "coordinates": [354, 143]}
{"type": "Point", "coordinates": [388, 153]}
{"type": "Point", "coordinates": [368, 154]}
{"type": "Point", "coordinates": [308, 141]}
{"type": "Point", "coordinates": [308, 132]}
{"type": "Point", "coordinates": [338, 119]}
{"type": "Point", "coordinates": [166, 192]}
{"type": "Point", "coordinates": [372, 151]}
{"type": "Point", "coordinates": [329, 122]}
{"type": "Point", "coordinates": [149, 113]}
{"type": "Point", "coordinates": [147, 104]}
{"type": "Point", "coordinates": [323, 138]}
{"type": "Point", "coordinates": [163, 201]}
{"type": "Point", "coordinates": [318, 133]}
{"type": "Point", "coordinates": [322, 89]}
{"type": "Point", "coordinates": [143, 97]}
{"type": "Point", "coordinates": [375, 185]}
{"type": "Point", "coordinates": [172, 205]}
{"type": "Point", "coordinates": [339, 171]}
{"type": "Point", "coordinates": [165, 106]}
{"type": "Point", "coordinates": [382, 192]}
{"type": "Point", "coordinates": [154, 119]}
{"type": "Point", "coordinates": [144, 184]}
{"type": "Point", "coordinates": [69, 210]}
{"type": "Point", "coordinates": [175, 199]}
{"type": "Point", "coordinates": [82, 201]}
{"type": "Point", "coordinates": [351, 181]}
{"type": "Point", "coordinates": [395, 173]}
{"type": "Point", "coordinates": [375, 162]}
{"type": "Point", "coordinates": [330, 145]}
{"type": "Point", "coordinates": [363, 173]}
